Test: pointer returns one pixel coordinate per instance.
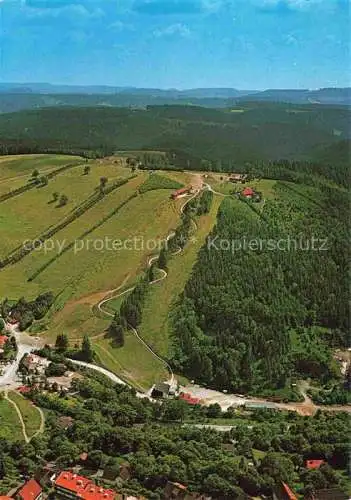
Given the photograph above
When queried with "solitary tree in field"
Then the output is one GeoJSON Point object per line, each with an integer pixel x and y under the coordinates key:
{"type": "Point", "coordinates": [63, 200]}
{"type": "Point", "coordinates": [86, 169]}
{"type": "Point", "coordinates": [103, 182]}
{"type": "Point", "coordinates": [87, 351]}
{"type": "Point", "coordinates": [44, 181]}
{"type": "Point", "coordinates": [35, 174]}
{"type": "Point", "coordinates": [55, 196]}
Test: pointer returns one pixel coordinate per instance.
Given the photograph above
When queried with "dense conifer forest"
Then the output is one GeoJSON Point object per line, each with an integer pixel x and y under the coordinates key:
{"type": "Point", "coordinates": [193, 137]}
{"type": "Point", "coordinates": [268, 295]}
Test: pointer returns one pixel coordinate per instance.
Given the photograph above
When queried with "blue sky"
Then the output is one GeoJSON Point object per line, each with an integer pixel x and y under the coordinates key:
{"type": "Point", "coordinates": [246, 44]}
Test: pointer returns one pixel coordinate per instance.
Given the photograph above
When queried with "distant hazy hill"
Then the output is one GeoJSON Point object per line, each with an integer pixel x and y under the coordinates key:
{"type": "Point", "coordinates": [47, 88]}
{"type": "Point", "coordinates": [16, 97]}
{"type": "Point", "coordinates": [340, 96]}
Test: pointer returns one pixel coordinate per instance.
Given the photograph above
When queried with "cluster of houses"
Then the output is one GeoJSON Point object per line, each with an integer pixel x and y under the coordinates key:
{"type": "Point", "coordinates": [283, 491]}
{"type": "Point", "coordinates": [34, 368]}
{"type": "Point", "coordinates": [67, 485]}
{"type": "Point", "coordinates": [71, 485]}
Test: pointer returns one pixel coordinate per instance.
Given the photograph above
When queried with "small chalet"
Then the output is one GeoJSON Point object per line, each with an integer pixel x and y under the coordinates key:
{"type": "Point", "coordinates": [248, 193]}
{"type": "Point", "coordinates": [24, 389]}
{"type": "Point", "coordinates": [3, 340]}
{"type": "Point", "coordinates": [314, 464]}
{"type": "Point", "coordinates": [31, 490]}
{"type": "Point", "coordinates": [238, 178]}
{"type": "Point", "coordinates": [161, 390]}
{"type": "Point", "coordinates": [181, 192]}
{"type": "Point", "coordinates": [65, 422]}
{"type": "Point", "coordinates": [188, 398]}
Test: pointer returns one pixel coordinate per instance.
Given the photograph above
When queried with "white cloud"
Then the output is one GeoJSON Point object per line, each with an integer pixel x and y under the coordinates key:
{"type": "Point", "coordinates": [212, 5]}
{"type": "Point", "coordinates": [177, 29]}
{"type": "Point", "coordinates": [295, 4]}
{"type": "Point", "coordinates": [290, 39]}
{"type": "Point", "coordinates": [121, 26]}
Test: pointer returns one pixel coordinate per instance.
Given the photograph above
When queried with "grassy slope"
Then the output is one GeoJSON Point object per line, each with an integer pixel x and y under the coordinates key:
{"type": "Point", "coordinates": [23, 165]}
{"type": "Point", "coordinates": [10, 427]}
{"type": "Point", "coordinates": [30, 414]}
{"type": "Point", "coordinates": [27, 215]}
{"type": "Point", "coordinates": [83, 279]}
{"type": "Point", "coordinates": [133, 362]}
{"type": "Point", "coordinates": [149, 216]}
{"type": "Point", "coordinates": [155, 326]}
{"type": "Point", "coordinates": [57, 277]}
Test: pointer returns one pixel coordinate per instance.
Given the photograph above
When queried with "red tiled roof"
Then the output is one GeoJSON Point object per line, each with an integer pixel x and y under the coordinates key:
{"type": "Point", "coordinates": [180, 191]}
{"type": "Point", "coordinates": [189, 399]}
{"type": "Point", "coordinates": [288, 492]}
{"type": "Point", "coordinates": [248, 192]}
{"type": "Point", "coordinates": [24, 389]}
{"type": "Point", "coordinates": [314, 464]}
{"type": "Point", "coordinates": [83, 487]}
{"type": "Point", "coordinates": [3, 339]}
{"type": "Point", "coordinates": [6, 498]}
{"type": "Point", "coordinates": [30, 490]}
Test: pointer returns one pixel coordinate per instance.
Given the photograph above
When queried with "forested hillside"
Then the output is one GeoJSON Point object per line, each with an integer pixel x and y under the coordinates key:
{"type": "Point", "coordinates": [262, 281]}
{"type": "Point", "coordinates": [192, 136]}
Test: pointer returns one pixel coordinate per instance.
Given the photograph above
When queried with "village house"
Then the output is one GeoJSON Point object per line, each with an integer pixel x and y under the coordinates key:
{"type": "Point", "coordinates": [248, 193]}
{"type": "Point", "coordinates": [65, 422]}
{"type": "Point", "coordinates": [161, 390]}
{"type": "Point", "coordinates": [238, 178]}
{"type": "Point", "coordinates": [314, 464]}
{"type": "Point", "coordinates": [188, 398]}
{"type": "Point", "coordinates": [31, 490]}
{"type": "Point", "coordinates": [180, 193]}
{"type": "Point", "coordinates": [283, 492]}
{"type": "Point", "coordinates": [64, 382]}
{"type": "Point", "coordinates": [178, 491]}
{"type": "Point", "coordinates": [71, 486]}
{"type": "Point", "coordinates": [34, 363]}
{"type": "Point", "coordinates": [3, 340]}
